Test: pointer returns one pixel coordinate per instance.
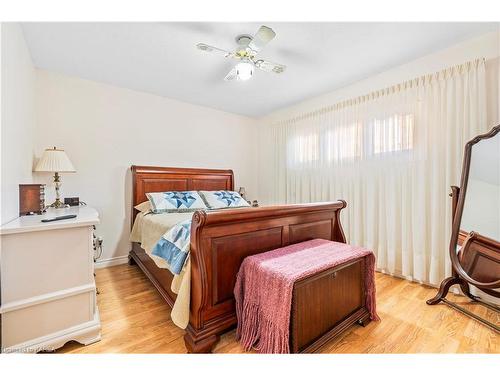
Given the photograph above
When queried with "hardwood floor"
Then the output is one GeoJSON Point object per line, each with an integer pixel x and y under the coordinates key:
{"type": "Point", "coordinates": [135, 319]}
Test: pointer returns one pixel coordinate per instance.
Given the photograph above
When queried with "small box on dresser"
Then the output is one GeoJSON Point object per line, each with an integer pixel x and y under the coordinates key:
{"type": "Point", "coordinates": [48, 291]}
{"type": "Point", "coordinates": [31, 199]}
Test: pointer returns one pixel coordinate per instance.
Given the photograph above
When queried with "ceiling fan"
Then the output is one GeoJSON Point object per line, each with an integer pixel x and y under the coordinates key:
{"type": "Point", "coordinates": [246, 53]}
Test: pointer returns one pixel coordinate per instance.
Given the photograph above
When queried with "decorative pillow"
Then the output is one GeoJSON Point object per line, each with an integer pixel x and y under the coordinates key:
{"type": "Point", "coordinates": [223, 199]}
{"type": "Point", "coordinates": [176, 201]}
{"type": "Point", "coordinates": [143, 207]}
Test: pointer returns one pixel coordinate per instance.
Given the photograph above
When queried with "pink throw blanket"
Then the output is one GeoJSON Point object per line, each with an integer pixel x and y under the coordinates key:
{"type": "Point", "coordinates": [264, 287]}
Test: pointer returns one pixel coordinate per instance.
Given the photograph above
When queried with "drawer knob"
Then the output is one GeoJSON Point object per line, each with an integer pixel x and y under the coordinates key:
{"type": "Point", "coordinates": [334, 275]}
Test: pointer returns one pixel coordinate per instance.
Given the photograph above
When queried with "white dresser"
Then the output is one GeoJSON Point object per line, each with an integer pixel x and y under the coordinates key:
{"type": "Point", "coordinates": [48, 292]}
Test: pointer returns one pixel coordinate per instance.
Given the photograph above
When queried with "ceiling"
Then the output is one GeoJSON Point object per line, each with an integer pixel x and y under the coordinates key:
{"type": "Point", "coordinates": [161, 58]}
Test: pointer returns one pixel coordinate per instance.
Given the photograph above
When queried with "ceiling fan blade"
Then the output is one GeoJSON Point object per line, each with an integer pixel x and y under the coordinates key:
{"type": "Point", "coordinates": [269, 66]}
{"type": "Point", "coordinates": [231, 75]}
{"type": "Point", "coordinates": [219, 51]}
{"type": "Point", "coordinates": [263, 36]}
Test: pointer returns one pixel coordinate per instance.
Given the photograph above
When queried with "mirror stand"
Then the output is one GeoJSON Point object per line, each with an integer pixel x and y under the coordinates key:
{"type": "Point", "coordinates": [478, 260]}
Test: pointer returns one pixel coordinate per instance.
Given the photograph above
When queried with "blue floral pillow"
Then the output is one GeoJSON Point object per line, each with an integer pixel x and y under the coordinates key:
{"type": "Point", "coordinates": [223, 199]}
{"type": "Point", "coordinates": [176, 201]}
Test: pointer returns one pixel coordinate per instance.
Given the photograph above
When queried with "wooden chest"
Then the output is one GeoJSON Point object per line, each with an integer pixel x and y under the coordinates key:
{"type": "Point", "coordinates": [326, 304]}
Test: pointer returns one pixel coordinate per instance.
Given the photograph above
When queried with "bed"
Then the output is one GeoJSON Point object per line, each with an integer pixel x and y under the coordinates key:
{"type": "Point", "coordinates": [219, 242]}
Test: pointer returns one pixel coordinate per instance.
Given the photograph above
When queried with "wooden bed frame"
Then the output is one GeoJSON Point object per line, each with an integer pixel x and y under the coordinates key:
{"type": "Point", "coordinates": [220, 240]}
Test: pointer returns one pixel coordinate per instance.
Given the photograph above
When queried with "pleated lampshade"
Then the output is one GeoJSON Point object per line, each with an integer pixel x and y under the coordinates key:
{"type": "Point", "coordinates": [54, 160]}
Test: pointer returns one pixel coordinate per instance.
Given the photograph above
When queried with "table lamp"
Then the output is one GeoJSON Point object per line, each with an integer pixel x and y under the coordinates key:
{"type": "Point", "coordinates": [55, 160]}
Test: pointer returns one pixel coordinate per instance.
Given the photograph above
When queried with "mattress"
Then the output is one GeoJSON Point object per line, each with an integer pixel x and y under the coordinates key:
{"type": "Point", "coordinates": [147, 230]}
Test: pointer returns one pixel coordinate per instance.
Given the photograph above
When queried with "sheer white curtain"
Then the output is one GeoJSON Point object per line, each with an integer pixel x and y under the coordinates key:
{"type": "Point", "coordinates": [392, 155]}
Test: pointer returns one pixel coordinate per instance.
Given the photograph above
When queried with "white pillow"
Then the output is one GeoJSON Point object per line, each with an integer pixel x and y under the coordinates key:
{"type": "Point", "coordinates": [176, 201]}
{"type": "Point", "coordinates": [143, 207]}
{"type": "Point", "coordinates": [223, 199]}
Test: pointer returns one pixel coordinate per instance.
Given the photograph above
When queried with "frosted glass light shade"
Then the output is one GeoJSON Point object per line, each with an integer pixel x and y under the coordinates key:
{"type": "Point", "coordinates": [244, 71]}
{"type": "Point", "coordinates": [54, 160]}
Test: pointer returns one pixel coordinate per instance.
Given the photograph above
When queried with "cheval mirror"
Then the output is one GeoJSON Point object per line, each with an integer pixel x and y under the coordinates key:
{"type": "Point", "coordinates": [475, 239]}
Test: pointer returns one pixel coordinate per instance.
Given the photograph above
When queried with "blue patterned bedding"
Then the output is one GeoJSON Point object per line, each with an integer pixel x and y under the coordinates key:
{"type": "Point", "coordinates": [173, 246]}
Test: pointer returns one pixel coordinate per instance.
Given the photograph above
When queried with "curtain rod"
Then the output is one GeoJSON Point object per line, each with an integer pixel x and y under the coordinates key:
{"type": "Point", "coordinates": [416, 82]}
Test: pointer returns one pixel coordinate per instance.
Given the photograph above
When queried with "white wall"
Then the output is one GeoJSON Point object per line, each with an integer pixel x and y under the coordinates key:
{"type": "Point", "coordinates": [105, 129]}
{"type": "Point", "coordinates": [18, 114]}
{"type": "Point", "coordinates": [486, 46]}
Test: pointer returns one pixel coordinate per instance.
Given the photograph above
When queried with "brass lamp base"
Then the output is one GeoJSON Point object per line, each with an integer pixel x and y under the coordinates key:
{"type": "Point", "coordinates": [58, 204]}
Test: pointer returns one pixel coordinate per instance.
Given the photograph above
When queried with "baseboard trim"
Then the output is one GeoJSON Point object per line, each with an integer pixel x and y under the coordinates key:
{"type": "Point", "coordinates": [103, 263]}
{"type": "Point", "coordinates": [453, 289]}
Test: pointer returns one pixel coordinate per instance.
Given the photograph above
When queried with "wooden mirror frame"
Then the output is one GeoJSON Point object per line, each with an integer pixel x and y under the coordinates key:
{"type": "Point", "coordinates": [459, 274]}
{"type": "Point", "coordinates": [457, 218]}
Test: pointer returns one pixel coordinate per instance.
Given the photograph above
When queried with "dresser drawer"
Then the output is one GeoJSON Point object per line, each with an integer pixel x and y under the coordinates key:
{"type": "Point", "coordinates": [45, 261]}
{"type": "Point", "coordinates": [47, 318]}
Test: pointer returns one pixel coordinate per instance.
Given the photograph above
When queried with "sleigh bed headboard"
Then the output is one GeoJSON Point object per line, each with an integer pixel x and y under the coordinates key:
{"type": "Point", "coordinates": [146, 179]}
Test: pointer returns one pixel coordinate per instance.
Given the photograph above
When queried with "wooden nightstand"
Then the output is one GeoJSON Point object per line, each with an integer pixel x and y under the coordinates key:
{"type": "Point", "coordinates": [48, 292]}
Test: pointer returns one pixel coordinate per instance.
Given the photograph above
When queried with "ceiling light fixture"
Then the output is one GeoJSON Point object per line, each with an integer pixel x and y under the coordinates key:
{"type": "Point", "coordinates": [244, 70]}
{"type": "Point", "coordinates": [246, 54]}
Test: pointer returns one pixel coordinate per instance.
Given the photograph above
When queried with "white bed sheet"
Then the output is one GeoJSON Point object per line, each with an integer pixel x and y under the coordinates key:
{"type": "Point", "coordinates": [147, 230]}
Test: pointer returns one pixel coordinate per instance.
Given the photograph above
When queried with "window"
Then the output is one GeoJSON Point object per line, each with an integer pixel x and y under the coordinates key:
{"type": "Point", "coordinates": [392, 134]}
{"type": "Point", "coordinates": [304, 149]}
{"type": "Point", "coordinates": [344, 142]}
{"type": "Point", "coordinates": [356, 141]}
